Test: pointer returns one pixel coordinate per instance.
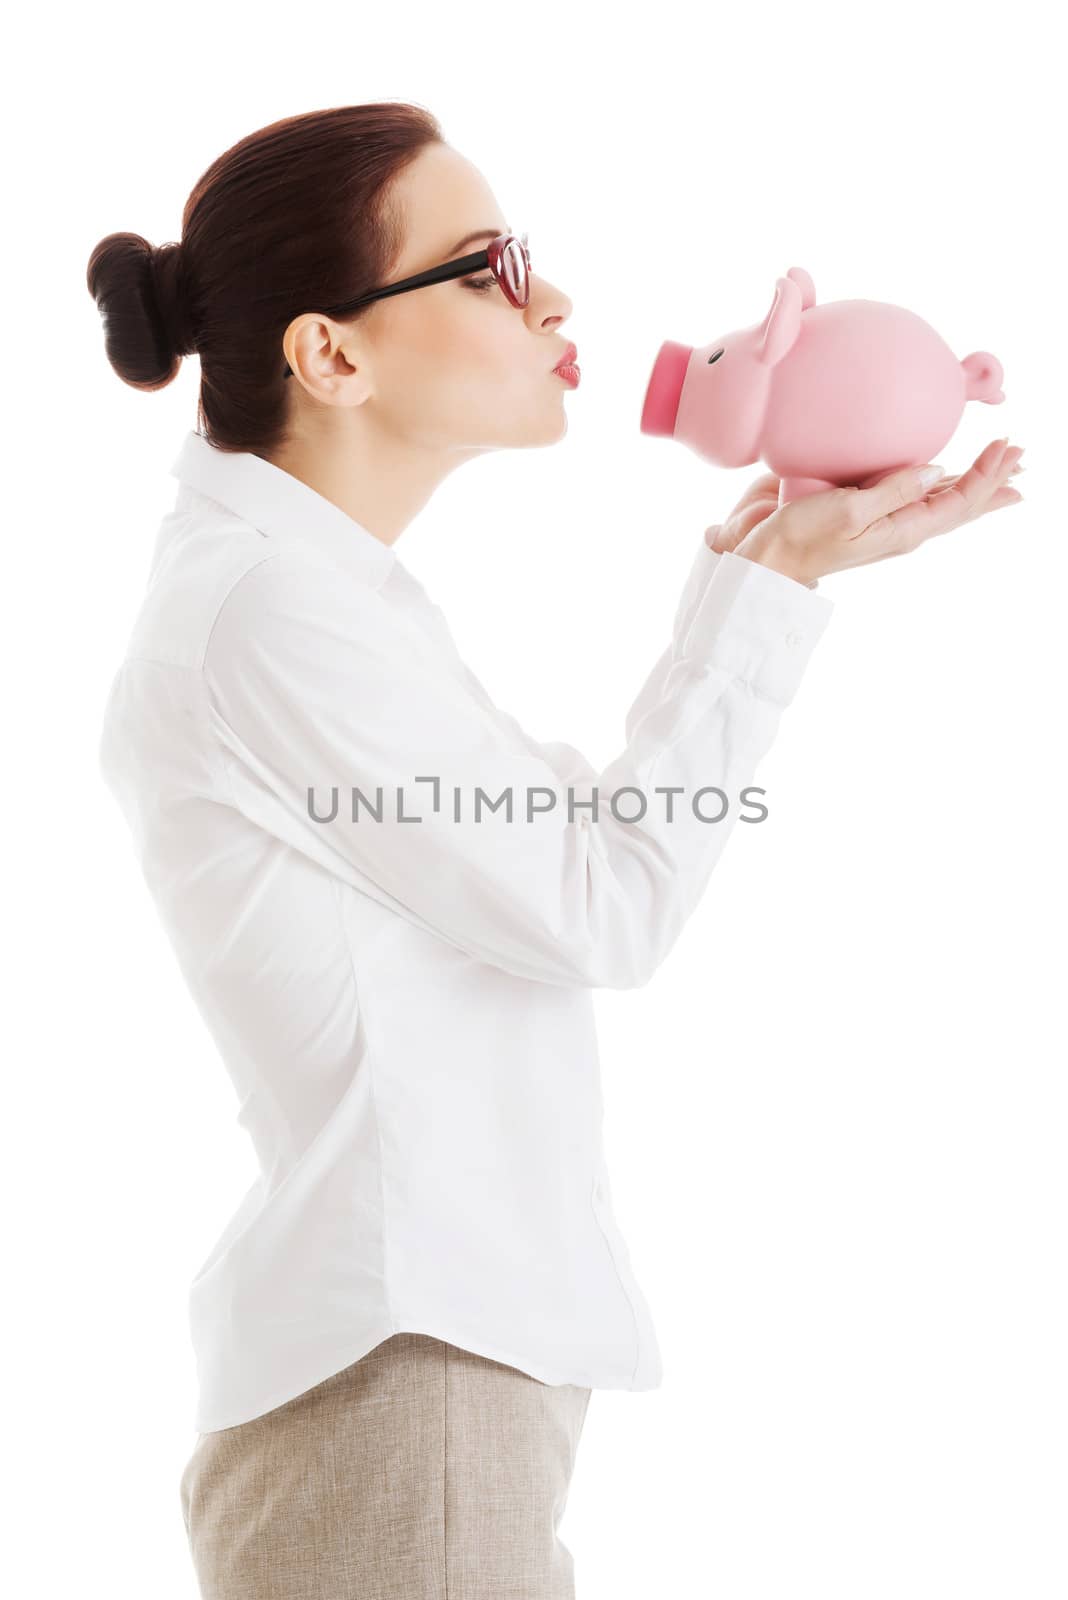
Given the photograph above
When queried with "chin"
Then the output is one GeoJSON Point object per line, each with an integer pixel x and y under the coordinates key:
{"type": "Point", "coordinates": [534, 433]}
{"type": "Point", "coordinates": [554, 431]}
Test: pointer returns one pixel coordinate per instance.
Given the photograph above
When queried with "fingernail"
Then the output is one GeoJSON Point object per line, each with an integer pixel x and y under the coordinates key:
{"type": "Point", "coordinates": [932, 473]}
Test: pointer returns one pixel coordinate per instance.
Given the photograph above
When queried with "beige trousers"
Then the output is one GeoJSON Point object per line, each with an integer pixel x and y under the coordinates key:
{"type": "Point", "coordinates": [421, 1472]}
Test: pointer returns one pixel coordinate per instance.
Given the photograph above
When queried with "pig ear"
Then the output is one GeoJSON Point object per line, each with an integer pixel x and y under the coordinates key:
{"type": "Point", "coordinates": [983, 374]}
{"type": "Point", "coordinates": [805, 284]}
{"type": "Point", "coordinates": [781, 326]}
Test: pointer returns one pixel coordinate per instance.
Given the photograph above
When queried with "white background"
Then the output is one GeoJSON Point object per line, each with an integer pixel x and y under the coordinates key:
{"type": "Point", "coordinates": [835, 1119]}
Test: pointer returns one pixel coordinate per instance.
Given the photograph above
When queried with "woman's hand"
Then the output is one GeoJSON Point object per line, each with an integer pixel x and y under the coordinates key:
{"type": "Point", "coordinates": [827, 532]}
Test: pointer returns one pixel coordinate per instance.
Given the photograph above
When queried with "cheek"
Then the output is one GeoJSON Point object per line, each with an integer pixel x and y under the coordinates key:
{"type": "Point", "coordinates": [464, 355]}
{"type": "Point", "coordinates": [479, 339]}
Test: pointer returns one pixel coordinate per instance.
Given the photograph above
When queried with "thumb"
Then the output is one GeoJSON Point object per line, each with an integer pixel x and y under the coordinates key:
{"type": "Point", "coordinates": [899, 487]}
{"type": "Point", "coordinates": [858, 508]}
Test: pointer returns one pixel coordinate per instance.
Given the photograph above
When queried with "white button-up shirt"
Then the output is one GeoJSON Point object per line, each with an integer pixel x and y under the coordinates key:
{"type": "Point", "coordinates": [398, 975]}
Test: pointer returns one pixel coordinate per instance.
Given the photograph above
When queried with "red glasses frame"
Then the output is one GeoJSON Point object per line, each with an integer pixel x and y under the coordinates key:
{"type": "Point", "coordinates": [510, 267]}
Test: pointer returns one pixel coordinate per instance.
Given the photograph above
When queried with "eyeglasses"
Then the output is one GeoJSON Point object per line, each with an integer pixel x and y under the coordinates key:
{"type": "Point", "coordinates": [506, 256]}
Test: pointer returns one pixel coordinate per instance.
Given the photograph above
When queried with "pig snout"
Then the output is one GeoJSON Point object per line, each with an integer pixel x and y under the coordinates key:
{"type": "Point", "coordinates": [661, 407]}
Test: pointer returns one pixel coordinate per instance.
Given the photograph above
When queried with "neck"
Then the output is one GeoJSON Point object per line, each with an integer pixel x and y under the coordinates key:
{"type": "Point", "coordinates": [380, 480]}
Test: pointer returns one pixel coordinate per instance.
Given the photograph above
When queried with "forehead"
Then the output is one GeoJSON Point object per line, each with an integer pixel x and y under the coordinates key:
{"type": "Point", "coordinates": [442, 196]}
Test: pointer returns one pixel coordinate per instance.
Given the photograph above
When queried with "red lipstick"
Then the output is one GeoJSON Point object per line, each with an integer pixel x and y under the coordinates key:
{"type": "Point", "coordinates": [567, 368]}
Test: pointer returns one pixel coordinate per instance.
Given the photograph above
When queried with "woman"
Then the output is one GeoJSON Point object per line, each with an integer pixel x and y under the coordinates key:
{"type": "Point", "coordinates": [390, 903]}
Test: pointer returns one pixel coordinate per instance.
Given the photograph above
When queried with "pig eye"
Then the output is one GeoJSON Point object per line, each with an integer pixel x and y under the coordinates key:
{"type": "Point", "coordinates": [715, 357]}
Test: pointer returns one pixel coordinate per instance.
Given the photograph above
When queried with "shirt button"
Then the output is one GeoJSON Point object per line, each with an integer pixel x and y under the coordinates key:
{"type": "Point", "coordinates": [793, 638]}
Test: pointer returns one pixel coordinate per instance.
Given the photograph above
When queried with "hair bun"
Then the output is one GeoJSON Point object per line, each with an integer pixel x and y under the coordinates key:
{"type": "Point", "coordinates": [172, 297]}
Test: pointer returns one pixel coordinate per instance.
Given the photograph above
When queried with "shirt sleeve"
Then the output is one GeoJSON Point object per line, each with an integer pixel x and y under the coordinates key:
{"type": "Point", "coordinates": [345, 733]}
{"type": "Point", "coordinates": [569, 763]}
{"type": "Point", "coordinates": [701, 569]}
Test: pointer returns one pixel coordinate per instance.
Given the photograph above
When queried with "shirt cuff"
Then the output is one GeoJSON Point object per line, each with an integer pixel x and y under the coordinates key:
{"type": "Point", "coordinates": [756, 624]}
{"type": "Point", "coordinates": [702, 567]}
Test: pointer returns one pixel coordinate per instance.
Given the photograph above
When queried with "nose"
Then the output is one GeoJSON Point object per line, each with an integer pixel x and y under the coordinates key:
{"type": "Point", "coordinates": [548, 306]}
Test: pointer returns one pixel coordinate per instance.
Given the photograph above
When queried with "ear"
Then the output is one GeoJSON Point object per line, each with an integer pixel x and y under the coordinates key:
{"type": "Point", "coordinates": [805, 284]}
{"type": "Point", "coordinates": [781, 326]}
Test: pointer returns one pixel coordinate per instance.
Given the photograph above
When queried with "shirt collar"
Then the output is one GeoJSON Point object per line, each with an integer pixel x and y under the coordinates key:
{"type": "Point", "coordinates": [277, 503]}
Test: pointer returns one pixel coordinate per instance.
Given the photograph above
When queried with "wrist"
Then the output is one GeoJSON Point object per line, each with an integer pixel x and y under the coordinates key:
{"type": "Point", "coordinates": [772, 553]}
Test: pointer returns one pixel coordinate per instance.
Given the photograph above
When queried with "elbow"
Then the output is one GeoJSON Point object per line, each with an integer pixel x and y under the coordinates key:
{"type": "Point", "coordinates": [624, 957]}
{"type": "Point", "coordinates": [628, 928]}
{"type": "Point", "coordinates": [631, 924]}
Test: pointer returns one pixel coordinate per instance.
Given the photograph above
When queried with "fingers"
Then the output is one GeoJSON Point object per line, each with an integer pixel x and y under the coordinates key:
{"type": "Point", "coordinates": [761, 489]}
{"type": "Point", "coordinates": [982, 488]}
{"type": "Point", "coordinates": [1005, 496]}
{"type": "Point", "coordinates": [746, 517]}
{"type": "Point", "coordinates": [890, 495]}
{"type": "Point", "coordinates": [767, 482]}
{"type": "Point", "coordinates": [887, 517]}
{"type": "Point", "coordinates": [949, 483]}
{"type": "Point", "coordinates": [948, 504]}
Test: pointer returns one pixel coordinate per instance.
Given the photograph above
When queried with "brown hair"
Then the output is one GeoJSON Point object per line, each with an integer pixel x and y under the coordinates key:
{"type": "Point", "coordinates": [293, 215]}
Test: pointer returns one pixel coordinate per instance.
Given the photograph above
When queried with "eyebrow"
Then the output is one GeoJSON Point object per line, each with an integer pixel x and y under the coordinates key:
{"type": "Point", "coordinates": [479, 233]}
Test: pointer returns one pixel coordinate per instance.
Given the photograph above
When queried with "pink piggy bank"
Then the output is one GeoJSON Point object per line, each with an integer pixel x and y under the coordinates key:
{"type": "Point", "coordinates": [827, 396]}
